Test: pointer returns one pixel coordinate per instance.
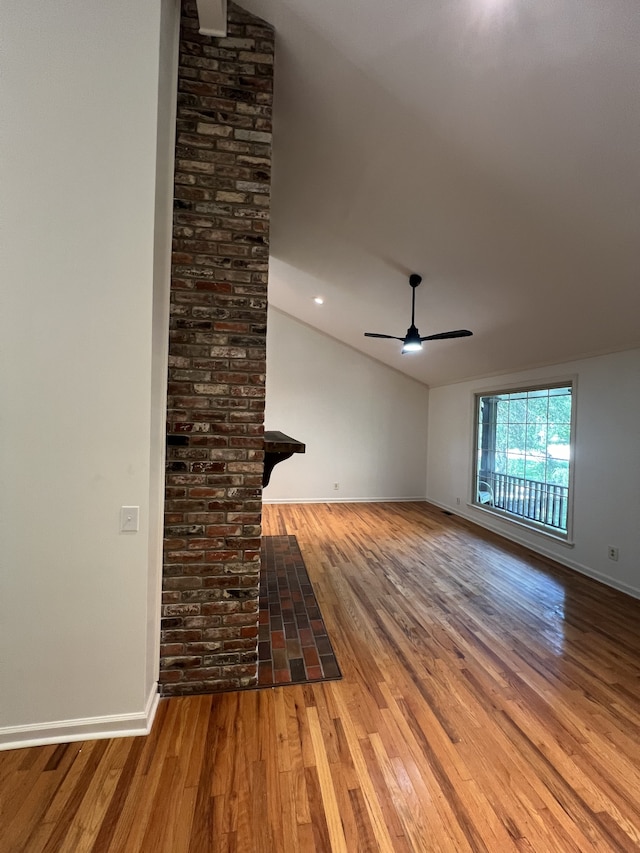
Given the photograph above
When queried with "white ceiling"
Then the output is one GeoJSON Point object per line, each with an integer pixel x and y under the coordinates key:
{"type": "Point", "coordinates": [492, 146]}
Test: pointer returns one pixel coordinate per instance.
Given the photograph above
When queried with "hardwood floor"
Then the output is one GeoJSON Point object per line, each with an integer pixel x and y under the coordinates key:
{"type": "Point", "coordinates": [490, 702]}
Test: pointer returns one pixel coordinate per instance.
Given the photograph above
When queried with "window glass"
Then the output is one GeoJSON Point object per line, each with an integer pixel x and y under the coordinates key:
{"type": "Point", "coordinates": [523, 452]}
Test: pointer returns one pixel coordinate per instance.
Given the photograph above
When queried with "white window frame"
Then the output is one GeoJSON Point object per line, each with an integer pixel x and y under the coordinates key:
{"type": "Point", "coordinates": [485, 505]}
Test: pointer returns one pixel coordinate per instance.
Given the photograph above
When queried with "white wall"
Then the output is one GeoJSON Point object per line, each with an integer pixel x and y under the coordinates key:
{"type": "Point", "coordinates": [80, 116]}
{"type": "Point", "coordinates": [606, 507]}
{"type": "Point", "coordinates": [364, 424]}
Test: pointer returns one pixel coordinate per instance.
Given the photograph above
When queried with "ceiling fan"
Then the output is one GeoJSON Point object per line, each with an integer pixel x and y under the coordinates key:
{"type": "Point", "coordinates": [412, 341]}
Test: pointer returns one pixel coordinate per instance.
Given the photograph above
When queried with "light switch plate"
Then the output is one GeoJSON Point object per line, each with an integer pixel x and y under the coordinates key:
{"type": "Point", "coordinates": [129, 519]}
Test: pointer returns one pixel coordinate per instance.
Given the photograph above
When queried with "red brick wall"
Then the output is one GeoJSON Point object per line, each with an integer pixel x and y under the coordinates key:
{"type": "Point", "coordinates": [217, 356]}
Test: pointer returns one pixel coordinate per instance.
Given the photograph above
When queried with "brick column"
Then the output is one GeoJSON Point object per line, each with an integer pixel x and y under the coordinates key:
{"type": "Point", "coordinates": [217, 356]}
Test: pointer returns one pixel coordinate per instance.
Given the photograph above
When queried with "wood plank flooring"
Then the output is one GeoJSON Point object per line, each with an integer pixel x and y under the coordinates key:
{"type": "Point", "coordinates": [490, 703]}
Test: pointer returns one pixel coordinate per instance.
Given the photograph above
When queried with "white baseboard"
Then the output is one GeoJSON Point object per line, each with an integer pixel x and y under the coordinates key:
{"type": "Point", "coordinates": [91, 728]}
{"type": "Point", "coordinates": [482, 520]}
{"type": "Point", "coordinates": [341, 500]}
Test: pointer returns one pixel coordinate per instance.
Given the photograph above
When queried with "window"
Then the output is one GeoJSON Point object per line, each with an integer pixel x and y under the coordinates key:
{"type": "Point", "coordinates": [523, 455]}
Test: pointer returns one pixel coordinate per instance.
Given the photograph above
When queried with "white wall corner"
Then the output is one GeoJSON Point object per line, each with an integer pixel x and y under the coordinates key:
{"type": "Point", "coordinates": [212, 15]}
{"type": "Point", "coordinates": [92, 728]}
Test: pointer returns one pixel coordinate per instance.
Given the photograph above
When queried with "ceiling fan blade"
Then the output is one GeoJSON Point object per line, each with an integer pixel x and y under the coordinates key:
{"type": "Point", "coordinates": [458, 333]}
{"type": "Point", "coordinates": [376, 335]}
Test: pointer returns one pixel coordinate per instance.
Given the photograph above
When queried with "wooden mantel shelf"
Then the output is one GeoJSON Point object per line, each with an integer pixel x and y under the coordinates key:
{"type": "Point", "coordinates": [277, 448]}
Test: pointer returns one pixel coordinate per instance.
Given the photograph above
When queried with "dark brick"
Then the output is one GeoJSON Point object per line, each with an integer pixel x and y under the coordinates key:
{"type": "Point", "coordinates": [217, 356]}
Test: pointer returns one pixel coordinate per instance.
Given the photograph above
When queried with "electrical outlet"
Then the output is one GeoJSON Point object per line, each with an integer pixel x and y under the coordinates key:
{"type": "Point", "coordinates": [458, 501]}
{"type": "Point", "coordinates": [612, 552]}
{"type": "Point", "coordinates": [336, 486]}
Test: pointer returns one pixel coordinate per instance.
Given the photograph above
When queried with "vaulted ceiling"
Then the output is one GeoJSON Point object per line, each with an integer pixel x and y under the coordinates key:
{"type": "Point", "coordinates": [493, 146]}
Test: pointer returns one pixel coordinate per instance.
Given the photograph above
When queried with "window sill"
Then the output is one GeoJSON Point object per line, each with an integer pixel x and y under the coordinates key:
{"type": "Point", "coordinates": [560, 538]}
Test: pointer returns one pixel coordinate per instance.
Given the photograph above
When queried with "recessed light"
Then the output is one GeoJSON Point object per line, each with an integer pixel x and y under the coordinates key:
{"type": "Point", "coordinates": [318, 300]}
